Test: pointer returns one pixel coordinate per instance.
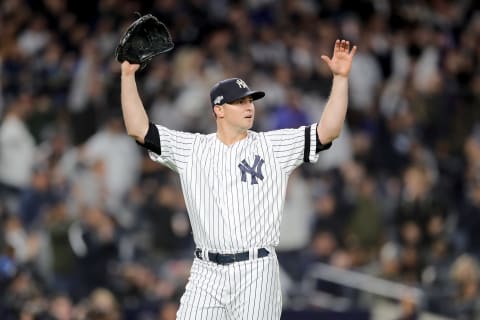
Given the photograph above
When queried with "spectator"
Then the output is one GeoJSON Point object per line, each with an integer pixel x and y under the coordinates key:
{"type": "Point", "coordinates": [465, 276]}
{"type": "Point", "coordinates": [291, 114]}
{"type": "Point", "coordinates": [364, 229]}
{"type": "Point", "coordinates": [103, 306]}
{"type": "Point", "coordinates": [35, 198]}
{"type": "Point", "coordinates": [62, 260]}
{"type": "Point", "coordinates": [115, 153]}
{"type": "Point", "coordinates": [167, 222]}
{"type": "Point", "coordinates": [17, 149]}
{"type": "Point", "coordinates": [295, 228]}
{"type": "Point", "coordinates": [61, 307]}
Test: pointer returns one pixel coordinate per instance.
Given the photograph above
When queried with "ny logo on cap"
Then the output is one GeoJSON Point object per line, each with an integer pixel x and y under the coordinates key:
{"type": "Point", "coordinates": [255, 171]}
{"type": "Point", "coordinates": [242, 84]}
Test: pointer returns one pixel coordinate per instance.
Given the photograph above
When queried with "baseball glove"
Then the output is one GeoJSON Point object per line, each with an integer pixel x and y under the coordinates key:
{"type": "Point", "coordinates": [144, 39]}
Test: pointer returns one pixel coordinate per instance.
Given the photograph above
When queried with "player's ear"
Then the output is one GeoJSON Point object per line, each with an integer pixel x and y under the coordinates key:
{"type": "Point", "coordinates": [218, 110]}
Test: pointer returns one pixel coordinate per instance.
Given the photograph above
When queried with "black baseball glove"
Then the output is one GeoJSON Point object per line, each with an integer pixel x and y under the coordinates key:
{"type": "Point", "coordinates": [144, 39]}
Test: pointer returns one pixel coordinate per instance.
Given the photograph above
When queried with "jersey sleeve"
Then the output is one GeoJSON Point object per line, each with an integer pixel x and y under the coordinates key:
{"type": "Point", "coordinates": [169, 147]}
{"type": "Point", "coordinates": [292, 147]}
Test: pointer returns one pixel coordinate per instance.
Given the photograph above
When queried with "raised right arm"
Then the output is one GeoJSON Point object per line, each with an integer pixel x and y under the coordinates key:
{"type": "Point", "coordinates": [134, 115]}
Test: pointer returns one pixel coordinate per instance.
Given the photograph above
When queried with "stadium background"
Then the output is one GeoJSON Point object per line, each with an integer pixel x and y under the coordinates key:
{"type": "Point", "coordinates": [90, 228]}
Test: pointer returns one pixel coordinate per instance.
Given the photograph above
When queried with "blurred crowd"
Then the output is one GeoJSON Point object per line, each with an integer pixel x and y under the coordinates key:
{"type": "Point", "coordinates": [92, 229]}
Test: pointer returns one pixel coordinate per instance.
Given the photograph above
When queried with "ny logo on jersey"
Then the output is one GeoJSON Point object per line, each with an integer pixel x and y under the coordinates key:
{"type": "Point", "coordinates": [242, 84]}
{"type": "Point", "coordinates": [255, 171]}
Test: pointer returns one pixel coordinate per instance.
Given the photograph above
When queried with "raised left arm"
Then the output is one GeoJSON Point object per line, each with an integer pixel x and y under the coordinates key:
{"type": "Point", "coordinates": [333, 116]}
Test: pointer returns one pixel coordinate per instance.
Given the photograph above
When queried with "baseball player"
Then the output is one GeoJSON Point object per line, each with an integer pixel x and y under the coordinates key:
{"type": "Point", "coordinates": [234, 183]}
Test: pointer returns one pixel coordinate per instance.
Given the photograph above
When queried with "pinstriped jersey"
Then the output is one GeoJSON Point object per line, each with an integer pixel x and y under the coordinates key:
{"type": "Point", "coordinates": [234, 194]}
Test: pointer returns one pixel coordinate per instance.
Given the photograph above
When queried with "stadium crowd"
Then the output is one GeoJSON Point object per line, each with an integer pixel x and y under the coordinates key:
{"type": "Point", "coordinates": [92, 229]}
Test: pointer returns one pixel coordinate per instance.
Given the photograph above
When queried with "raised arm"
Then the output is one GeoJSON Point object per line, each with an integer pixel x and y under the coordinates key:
{"type": "Point", "coordinates": [333, 116]}
{"type": "Point", "coordinates": [134, 115]}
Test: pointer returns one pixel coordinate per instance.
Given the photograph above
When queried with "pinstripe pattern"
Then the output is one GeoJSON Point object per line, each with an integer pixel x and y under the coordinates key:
{"type": "Point", "coordinates": [235, 196]}
{"type": "Point", "coordinates": [226, 214]}
{"type": "Point", "coordinates": [243, 290]}
{"type": "Point", "coordinates": [204, 292]}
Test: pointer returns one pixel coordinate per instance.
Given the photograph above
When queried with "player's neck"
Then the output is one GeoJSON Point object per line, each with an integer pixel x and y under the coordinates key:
{"type": "Point", "coordinates": [229, 137]}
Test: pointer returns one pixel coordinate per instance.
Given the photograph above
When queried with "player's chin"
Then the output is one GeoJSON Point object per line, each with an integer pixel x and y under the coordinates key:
{"type": "Point", "coordinates": [248, 123]}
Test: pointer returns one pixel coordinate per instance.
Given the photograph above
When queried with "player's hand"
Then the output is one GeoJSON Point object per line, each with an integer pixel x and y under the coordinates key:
{"type": "Point", "coordinates": [341, 61]}
{"type": "Point", "coordinates": [129, 69]}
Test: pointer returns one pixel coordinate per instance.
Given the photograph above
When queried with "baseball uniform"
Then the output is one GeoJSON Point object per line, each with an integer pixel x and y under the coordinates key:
{"type": "Point", "coordinates": [234, 196]}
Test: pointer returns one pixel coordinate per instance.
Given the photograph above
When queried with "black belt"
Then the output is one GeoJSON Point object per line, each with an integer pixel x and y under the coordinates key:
{"type": "Point", "coordinates": [227, 258]}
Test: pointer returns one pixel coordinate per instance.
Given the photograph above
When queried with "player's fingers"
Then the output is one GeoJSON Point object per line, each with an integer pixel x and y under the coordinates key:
{"type": "Point", "coordinates": [354, 49]}
{"type": "Point", "coordinates": [336, 47]}
{"type": "Point", "coordinates": [343, 45]}
{"type": "Point", "coordinates": [325, 58]}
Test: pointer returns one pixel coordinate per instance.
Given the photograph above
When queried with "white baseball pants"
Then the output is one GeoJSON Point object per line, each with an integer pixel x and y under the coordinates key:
{"type": "Point", "coordinates": [238, 291]}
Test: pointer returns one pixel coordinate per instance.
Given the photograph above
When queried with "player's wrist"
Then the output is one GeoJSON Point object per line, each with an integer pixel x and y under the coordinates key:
{"type": "Point", "coordinates": [128, 74]}
{"type": "Point", "coordinates": [340, 76]}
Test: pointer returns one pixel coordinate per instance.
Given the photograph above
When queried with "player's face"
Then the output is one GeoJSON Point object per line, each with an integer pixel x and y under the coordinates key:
{"type": "Point", "coordinates": [240, 113]}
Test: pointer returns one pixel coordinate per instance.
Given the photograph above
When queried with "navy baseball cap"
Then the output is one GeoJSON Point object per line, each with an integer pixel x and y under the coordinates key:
{"type": "Point", "coordinates": [232, 89]}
